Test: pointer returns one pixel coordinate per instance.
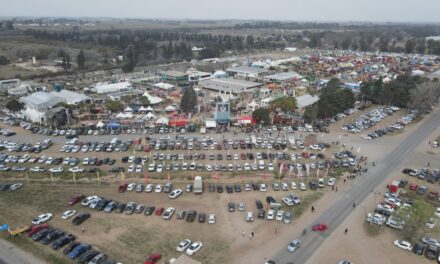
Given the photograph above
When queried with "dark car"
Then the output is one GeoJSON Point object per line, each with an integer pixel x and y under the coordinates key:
{"type": "Point", "coordinates": [149, 210]}
{"type": "Point", "coordinates": [80, 218]}
{"type": "Point", "coordinates": [219, 188]}
{"type": "Point", "coordinates": [191, 216]}
{"type": "Point", "coordinates": [237, 188]}
{"type": "Point", "coordinates": [89, 255]}
{"type": "Point", "coordinates": [42, 234]}
{"type": "Point", "coordinates": [202, 218]}
{"type": "Point", "coordinates": [229, 189]}
{"type": "Point", "coordinates": [121, 208]}
{"type": "Point", "coordinates": [313, 185]}
{"type": "Point", "coordinates": [431, 252]}
{"type": "Point", "coordinates": [211, 187]}
{"type": "Point", "coordinates": [270, 199]}
{"type": "Point", "coordinates": [123, 187]}
{"type": "Point", "coordinates": [231, 207]}
{"type": "Point", "coordinates": [52, 237]}
{"type": "Point", "coordinates": [261, 214]}
{"type": "Point", "coordinates": [62, 241]}
{"type": "Point", "coordinates": [102, 204]}
{"type": "Point", "coordinates": [259, 204]}
{"type": "Point", "coordinates": [78, 250]}
{"type": "Point", "coordinates": [75, 199]}
{"type": "Point", "coordinates": [419, 248]}
{"type": "Point", "coordinates": [70, 247]}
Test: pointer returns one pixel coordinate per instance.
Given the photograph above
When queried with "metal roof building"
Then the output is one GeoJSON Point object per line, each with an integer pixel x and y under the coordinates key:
{"type": "Point", "coordinates": [233, 86]}
{"type": "Point", "coordinates": [282, 77]}
{"type": "Point", "coordinates": [305, 100]}
{"type": "Point", "coordinates": [246, 71]}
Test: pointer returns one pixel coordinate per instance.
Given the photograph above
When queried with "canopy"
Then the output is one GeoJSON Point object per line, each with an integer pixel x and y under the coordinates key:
{"type": "Point", "coordinates": [150, 109]}
{"type": "Point", "coordinates": [100, 124]}
{"type": "Point", "coordinates": [113, 125]}
{"type": "Point", "coordinates": [126, 115]}
{"type": "Point", "coordinates": [245, 120]}
{"type": "Point", "coordinates": [162, 121]}
{"type": "Point", "coordinates": [150, 116]}
{"type": "Point", "coordinates": [153, 99]}
{"type": "Point", "coordinates": [178, 122]}
{"type": "Point", "coordinates": [128, 109]}
{"type": "Point", "coordinates": [170, 108]}
{"type": "Point", "coordinates": [210, 124]}
{"type": "Point", "coordinates": [142, 109]}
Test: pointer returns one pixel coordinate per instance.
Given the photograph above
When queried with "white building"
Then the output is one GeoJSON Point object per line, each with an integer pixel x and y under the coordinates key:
{"type": "Point", "coordinates": [111, 87]}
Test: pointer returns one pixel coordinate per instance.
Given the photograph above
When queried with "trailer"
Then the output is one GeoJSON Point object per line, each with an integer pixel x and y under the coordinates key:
{"type": "Point", "coordinates": [198, 185]}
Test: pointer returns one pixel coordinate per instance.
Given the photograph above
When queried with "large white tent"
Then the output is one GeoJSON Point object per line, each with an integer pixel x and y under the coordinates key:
{"type": "Point", "coordinates": [153, 99]}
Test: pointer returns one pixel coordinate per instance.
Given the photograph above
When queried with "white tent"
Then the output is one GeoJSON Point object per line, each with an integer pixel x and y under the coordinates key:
{"type": "Point", "coordinates": [162, 121]}
{"type": "Point", "coordinates": [153, 99]}
{"type": "Point", "coordinates": [170, 108]}
{"type": "Point", "coordinates": [252, 105]}
{"type": "Point", "coordinates": [149, 109]}
{"type": "Point", "coordinates": [142, 109]}
{"type": "Point", "coordinates": [210, 124]}
{"type": "Point", "coordinates": [128, 109]}
{"type": "Point", "coordinates": [150, 116]}
{"type": "Point", "coordinates": [163, 86]}
{"type": "Point", "coordinates": [126, 115]}
{"type": "Point", "coordinates": [100, 124]}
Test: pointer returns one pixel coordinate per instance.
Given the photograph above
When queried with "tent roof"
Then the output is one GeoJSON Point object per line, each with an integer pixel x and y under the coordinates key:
{"type": "Point", "coordinates": [153, 99]}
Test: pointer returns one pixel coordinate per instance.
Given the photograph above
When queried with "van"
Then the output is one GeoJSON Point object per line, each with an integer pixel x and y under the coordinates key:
{"type": "Point", "coordinates": [249, 217]}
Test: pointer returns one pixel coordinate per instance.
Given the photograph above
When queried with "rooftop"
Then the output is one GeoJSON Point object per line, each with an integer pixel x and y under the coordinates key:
{"type": "Point", "coordinates": [228, 85]}
{"type": "Point", "coordinates": [246, 70]}
{"type": "Point", "coordinates": [283, 76]}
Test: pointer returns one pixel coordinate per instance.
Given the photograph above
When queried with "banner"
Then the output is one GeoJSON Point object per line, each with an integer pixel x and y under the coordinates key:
{"type": "Point", "coordinates": [145, 177]}
{"type": "Point", "coordinates": [169, 177]}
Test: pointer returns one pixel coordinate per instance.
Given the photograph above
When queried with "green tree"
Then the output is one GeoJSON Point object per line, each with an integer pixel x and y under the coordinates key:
{"type": "Point", "coordinates": [415, 219]}
{"type": "Point", "coordinates": [143, 100]}
{"type": "Point", "coordinates": [81, 60]}
{"type": "Point", "coordinates": [14, 105]}
{"type": "Point", "coordinates": [189, 100]}
{"type": "Point", "coordinates": [410, 45]}
{"type": "Point", "coordinates": [310, 113]}
{"type": "Point", "coordinates": [114, 106]}
{"type": "Point", "coordinates": [131, 56]}
{"type": "Point", "coordinates": [287, 103]}
{"type": "Point", "coordinates": [261, 115]}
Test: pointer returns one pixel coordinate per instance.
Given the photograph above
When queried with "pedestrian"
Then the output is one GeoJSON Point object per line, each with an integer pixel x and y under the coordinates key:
{"type": "Point", "coordinates": [346, 231]}
{"type": "Point", "coordinates": [313, 209]}
{"type": "Point", "coordinates": [344, 180]}
{"type": "Point", "coordinates": [252, 234]}
{"type": "Point", "coordinates": [374, 164]}
{"type": "Point", "coordinates": [354, 204]}
{"type": "Point", "coordinates": [83, 230]}
{"type": "Point", "coordinates": [243, 233]}
{"type": "Point", "coordinates": [333, 188]}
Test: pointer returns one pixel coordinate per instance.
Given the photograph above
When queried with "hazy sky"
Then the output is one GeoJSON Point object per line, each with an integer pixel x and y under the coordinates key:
{"type": "Point", "coordinates": [310, 10]}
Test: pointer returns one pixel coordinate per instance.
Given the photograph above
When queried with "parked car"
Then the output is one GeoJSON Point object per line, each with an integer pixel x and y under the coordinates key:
{"type": "Point", "coordinates": [80, 218]}
{"type": "Point", "coordinates": [153, 258]}
{"type": "Point", "coordinates": [183, 245]}
{"type": "Point", "coordinates": [62, 241]}
{"type": "Point", "coordinates": [294, 245]}
{"type": "Point", "coordinates": [403, 244]}
{"type": "Point", "coordinates": [78, 250]}
{"type": "Point", "coordinates": [67, 214]}
{"type": "Point", "coordinates": [196, 246]}
{"type": "Point", "coordinates": [42, 218]}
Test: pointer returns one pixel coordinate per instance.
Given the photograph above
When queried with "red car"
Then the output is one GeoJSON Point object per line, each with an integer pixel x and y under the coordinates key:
{"type": "Point", "coordinates": [75, 199]}
{"type": "Point", "coordinates": [413, 187]}
{"type": "Point", "coordinates": [153, 258]}
{"type": "Point", "coordinates": [243, 156]}
{"type": "Point", "coordinates": [159, 211]}
{"type": "Point", "coordinates": [35, 229]}
{"type": "Point", "coordinates": [320, 227]}
{"type": "Point", "coordinates": [123, 187]}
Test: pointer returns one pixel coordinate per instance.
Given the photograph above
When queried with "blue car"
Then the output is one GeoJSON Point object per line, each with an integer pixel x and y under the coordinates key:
{"type": "Point", "coordinates": [78, 250]}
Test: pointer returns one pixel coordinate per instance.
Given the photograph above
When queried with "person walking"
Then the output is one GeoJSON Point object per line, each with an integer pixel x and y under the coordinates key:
{"type": "Point", "coordinates": [243, 234]}
{"type": "Point", "coordinates": [346, 230]}
{"type": "Point", "coordinates": [313, 208]}
{"type": "Point", "coordinates": [354, 204]}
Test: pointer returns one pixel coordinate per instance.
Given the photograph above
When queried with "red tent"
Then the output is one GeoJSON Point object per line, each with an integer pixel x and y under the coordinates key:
{"type": "Point", "coordinates": [178, 122]}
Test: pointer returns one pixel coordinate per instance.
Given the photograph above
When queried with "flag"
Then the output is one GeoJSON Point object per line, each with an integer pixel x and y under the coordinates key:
{"type": "Point", "coordinates": [317, 172]}
{"type": "Point", "coordinates": [299, 172]}
{"type": "Point", "coordinates": [169, 177]}
{"type": "Point", "coordinates": [308, 169]}
{"type": "Point", "coordinates": [281, 168]}
{"type": "Point", "coordinates": [326, 171]}
{"type": "Point", "coordinates": [241, 178]}
{"type": "Point", "coordinates": [145, 177]}
{"type": "Point", "coordinates": [216, 176]}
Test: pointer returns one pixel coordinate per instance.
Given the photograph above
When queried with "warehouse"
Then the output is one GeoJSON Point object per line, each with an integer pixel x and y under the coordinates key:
{"type": "Point", "coordinates": [234, 86]}
{"type": "Point", "coordinates": [246, 72]}
{"type": "Point", "coordinates": [282, 77]}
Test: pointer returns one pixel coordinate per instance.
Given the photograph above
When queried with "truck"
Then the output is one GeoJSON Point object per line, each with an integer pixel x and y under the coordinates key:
{"type": "Point", "coordinates": [198, 185]}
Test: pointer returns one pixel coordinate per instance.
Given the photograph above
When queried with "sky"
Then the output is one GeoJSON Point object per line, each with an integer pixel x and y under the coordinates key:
{"type": "Point", "coordinates": [293, 10]}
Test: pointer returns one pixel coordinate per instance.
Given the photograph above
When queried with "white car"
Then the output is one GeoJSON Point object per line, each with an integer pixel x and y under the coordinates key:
{"type": "Point", "coordinates": [15, 186]}
{"type": "Point", "coordinates": [36, 169]}
{"type": "Point", "coordinates": [249, 216]}
{"type": "Point", "coordinates": [183, 245]}
{"type": "Point", "coordinates": [287, 201]}
{"type": "Point", "coordinates": [196, 246]}
{"type": "Point", "coordinates": [88, 200]}
{"type": "Point", "coordinates": [437, 212]}
{"type": "Point", "coordinates": [168, 213]}
{"type": "Point", "coordinates": [263, 187]}
{"type": "Point", "coordinates": [149, 188]}
{"type": "Point", "coordinates": [159, 168]}
{"type": "Point", "coordinates": [175, 193]}
{"type": "Point", "coordinates": [56, 169]}
{"type": "Point", "coordinates": [131, 168]}
{"type": "Point", "coordinates": [247, 167]}
{"type": "Point", "coordinates": [68, 214]}
{"type": "Point", "coordinates": [284, 186]}
{"type": "Point", "coordinates": [279, 216]}
{"type": "Point", "coordinates": [293, 185]}
{"type": "Point", "coordinates": [158, 188]}
{"type": "Point", "coordinates": [321, 183]}
{"type": "Point", "coordinates": [76, 169]}
{"type": "Point", "coordinates": [131, 186]}
{"type": "Point", "coordinates": [151, 167]}
{"type": "Point", "coordinates": [293, 245]}
{"type": "Point", "coordinates": [270, 166]}
{"type": "Point", "coordinates": [431, 223]}
{"type": "Point", "coordinates": [270, 214]}
{"type": "Point", "coordinates": [211, 219]}
{"type": "Point", "coordinates": [138, 169]}
{"type": "Point", "coordinates": [42, 219]}
{"type": "Point", "coordinates": [302, 186]}
{"type": "Point", "coordinates": [247, 187]}
{"type": "Point", "coordinates": [403, 244]}
{"type": "Point", "coordinates": [331, 181]}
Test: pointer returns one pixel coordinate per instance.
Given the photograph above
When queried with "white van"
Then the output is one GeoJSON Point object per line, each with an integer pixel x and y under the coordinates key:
{"type": "Point", "coordinates": [261, 165]}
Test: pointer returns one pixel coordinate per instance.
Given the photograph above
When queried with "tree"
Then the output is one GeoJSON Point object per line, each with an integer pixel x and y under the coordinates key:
{"type": "Point", "coordinates": [114, 106]}
{"type": "Point", "coordinates": [131, 59]}
{"type": "Point", "coordinates": [310, 113]}
{"type": "Point", "coordinates": [345, 44]}
{"type": "Point", "coordinates": [143, 100]}
{"type": "Point", "coordinates": [261, 115]}
{"type": "Point", "coordinates": [66, 61]}
{"type": "Point", "coordinates": [410, 45]}
{"type": "Point", "coordinates": [287, 104]}
{"type": "Point", "coordinates": [415, 218]}
{"type": "Point", "coordinates": [189, 100]}
{"type": "Point", "coordinates": [424, 96]}
{"type": "Point", "coordinates": [14, 105]}
{"type": "Point", "coordinates": [9, 25]}
{"type": "Point", "coordinates": [81, 60]}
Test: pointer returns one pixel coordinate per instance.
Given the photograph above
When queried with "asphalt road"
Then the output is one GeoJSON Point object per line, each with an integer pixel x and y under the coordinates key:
{"type": "Point", "coordinates": [10, 254]}
{"type": "Point", "coordinates": [343, 207]}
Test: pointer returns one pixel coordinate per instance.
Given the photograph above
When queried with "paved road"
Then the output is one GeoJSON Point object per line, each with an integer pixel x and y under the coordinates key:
{"type": "Point", "coordinates": [10, 254]}
{"type": "Point", "coordinates": [342, 208]}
